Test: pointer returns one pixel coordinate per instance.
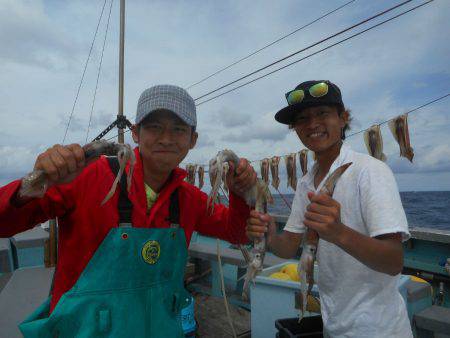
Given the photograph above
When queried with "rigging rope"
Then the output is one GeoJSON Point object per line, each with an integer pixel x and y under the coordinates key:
{"type": "Point", "coordinates": [303, 49]}
{"type": "Point", "coordinates": [268, 45]}
{"type": "Point", "coordinates": [310, 55]}
{"type": "Point", "coordinates": [98, 73]}
{"type": "Point", "coordinates": [84, 72]}
{"type": "Point", "coordinates": [328, 47]}
{"type": "Point", "coordinates": [407, 113]}
{"type": "Point", "coordinates": [359, 33]}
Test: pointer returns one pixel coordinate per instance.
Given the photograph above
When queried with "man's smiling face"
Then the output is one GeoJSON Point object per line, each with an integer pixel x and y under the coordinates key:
{"type": "Point", "coordinates": [319, 127]}
{"type": "Point", "coordinates": [164, 140]}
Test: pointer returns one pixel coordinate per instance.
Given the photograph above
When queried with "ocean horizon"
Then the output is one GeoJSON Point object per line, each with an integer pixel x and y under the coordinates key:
{"type": "Point", "coordinates": [424, 209]}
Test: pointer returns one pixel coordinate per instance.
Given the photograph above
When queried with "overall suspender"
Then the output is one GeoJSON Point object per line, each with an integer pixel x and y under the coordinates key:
{"type": "Point", "coordinates": [125, 206]}
{"type": "Point", "coordinates": [174, 210]}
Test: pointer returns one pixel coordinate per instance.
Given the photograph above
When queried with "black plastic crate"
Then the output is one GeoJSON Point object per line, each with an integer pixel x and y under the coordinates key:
{"type": "Point", "coordinates": [311, 327]}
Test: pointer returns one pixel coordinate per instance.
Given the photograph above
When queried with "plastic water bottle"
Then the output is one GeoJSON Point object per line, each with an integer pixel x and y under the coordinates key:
{"type": "Point", "coordinates": [188, 319]}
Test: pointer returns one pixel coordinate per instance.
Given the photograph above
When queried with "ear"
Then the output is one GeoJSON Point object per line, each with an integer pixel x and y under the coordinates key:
{"type": "Point", "coordinates": [345, 118]}
{"type": "Point", "coordinates": [194, 138]}
{"type": "Point", "coordinates": [135, 133]}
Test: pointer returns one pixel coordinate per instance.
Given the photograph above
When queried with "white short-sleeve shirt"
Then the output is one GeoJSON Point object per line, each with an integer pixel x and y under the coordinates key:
{"type": "Point", "coordinates": [357, 301]}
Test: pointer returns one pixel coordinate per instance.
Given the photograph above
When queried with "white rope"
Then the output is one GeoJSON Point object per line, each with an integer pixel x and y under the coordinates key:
{"type": "Point", "coordinates": [222, 283]}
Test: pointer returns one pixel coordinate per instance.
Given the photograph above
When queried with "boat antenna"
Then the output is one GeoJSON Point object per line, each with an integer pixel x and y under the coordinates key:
{"type": "Point", "coordinates": [121, 62]}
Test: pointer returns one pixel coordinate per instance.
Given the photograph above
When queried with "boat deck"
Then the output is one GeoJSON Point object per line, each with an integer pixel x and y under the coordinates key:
{"type": "Point", "coordinates": [213, 321]}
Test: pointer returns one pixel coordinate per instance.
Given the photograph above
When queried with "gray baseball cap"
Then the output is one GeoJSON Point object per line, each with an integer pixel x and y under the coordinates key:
{"type": "Point", "coordinates": [168, 97]}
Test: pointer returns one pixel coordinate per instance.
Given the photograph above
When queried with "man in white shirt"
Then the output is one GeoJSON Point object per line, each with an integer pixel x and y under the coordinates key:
{"type": "Point", "coordinates": [361, 227]}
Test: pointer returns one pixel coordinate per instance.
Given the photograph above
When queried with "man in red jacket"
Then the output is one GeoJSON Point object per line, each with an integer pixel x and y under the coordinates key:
{"type": "Point", "coordinates": [110, 267]}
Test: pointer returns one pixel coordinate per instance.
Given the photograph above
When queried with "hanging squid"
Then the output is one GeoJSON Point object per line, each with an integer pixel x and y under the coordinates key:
{"type": "Point", "coordinates": [274, 162]}
{"type": "Point", "coordinates": [191, 169]}
{"type": "Point", "coordinates": [265, 170]}
{"type": "Point", "coordinates": [201, 175]}
{"type": "Point", "coordinates": [303, 159]}
{"type": "Point", "coordinates": [291, 170]}
{"type": "Point", "coordinates": [399, 128]}
{"type": "Point", "coordinates": [374, 142]}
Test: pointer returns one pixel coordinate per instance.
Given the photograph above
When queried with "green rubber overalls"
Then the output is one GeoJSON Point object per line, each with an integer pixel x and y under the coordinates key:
{"type": "Point", "coordinates": [132, 287]}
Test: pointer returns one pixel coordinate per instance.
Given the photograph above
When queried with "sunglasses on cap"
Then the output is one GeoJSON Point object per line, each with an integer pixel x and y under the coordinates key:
{"type": "Point", "coordinates": [297, 95]}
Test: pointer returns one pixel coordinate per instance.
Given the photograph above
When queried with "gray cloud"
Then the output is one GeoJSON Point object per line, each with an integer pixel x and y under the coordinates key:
{"type": "Point", "coordinates": [230, 118]}
{"type": "Point", "coordinates": [76, 123]}
{"type": "Point", "coordinates": [267, 133]}
{"type": "Point", "coordinates": [382, 73]}
{"type": "Point", "coordinates": [102, 119]}
{"type": "Point", "coordinates": [262, 128]}
{"type": "Point", "coordinates": [31, 38]}
{"type": "Point", "coordinates": [204, 141]}
{"type": "Point", "coordinates": [16, 161]}
{"type": "Point", "coordinates": [427, 159]}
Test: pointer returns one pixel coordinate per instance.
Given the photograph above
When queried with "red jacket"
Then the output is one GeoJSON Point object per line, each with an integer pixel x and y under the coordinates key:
{"type": "Point", "coordinates": [84, 223]}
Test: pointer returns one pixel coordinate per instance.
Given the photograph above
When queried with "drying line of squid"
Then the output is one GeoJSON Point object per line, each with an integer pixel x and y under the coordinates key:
{"type": "Point", "coordinates": [372, 138]}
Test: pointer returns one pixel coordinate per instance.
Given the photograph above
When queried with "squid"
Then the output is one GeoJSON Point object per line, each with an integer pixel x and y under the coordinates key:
{"type": "Point", "coordinates": [399, 128]}
{"type": "Point", "coordinates": [35, 184]}
{"type": "Point", "coordinates": [191, 169]}
{"type": "Point", "coordinates": [257, 197]}
{"type": "Point", "coordinates": [374, 142]}
{"type": "Point", "coordinates": [274, 161]}
{"type": "Point", "coordinates": [201, 175]}
{"type": "Point", "coordinates": [309, 245]}
{"type": "Point", "coordinates": [291, 171]}
{"type": "Point", "coordinates": [303, 159]}
{"type": "Point", "coordinates": [265, 170]}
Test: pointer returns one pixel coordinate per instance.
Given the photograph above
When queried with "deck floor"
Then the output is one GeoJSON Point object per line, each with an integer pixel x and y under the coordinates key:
{"type": "Point", "coordinates": [213, 321]}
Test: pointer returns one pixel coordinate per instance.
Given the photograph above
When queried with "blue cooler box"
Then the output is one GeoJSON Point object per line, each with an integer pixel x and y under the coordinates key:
{"type": "Point", "coordinates": [273, 299]}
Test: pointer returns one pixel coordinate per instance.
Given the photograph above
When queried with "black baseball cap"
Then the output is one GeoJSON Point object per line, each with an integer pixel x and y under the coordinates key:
{"type": "Point", "coordinates": [332, 96]}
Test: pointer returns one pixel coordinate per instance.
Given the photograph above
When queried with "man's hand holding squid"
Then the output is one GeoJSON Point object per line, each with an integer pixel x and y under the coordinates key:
{"type": "Point", "coordinates": [242, 178]}
{"type": "Point", "coordinates": [323, 215]}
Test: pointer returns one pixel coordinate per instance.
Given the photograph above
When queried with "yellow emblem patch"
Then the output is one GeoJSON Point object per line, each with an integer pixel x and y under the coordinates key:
{"type": "Point", "coordinates": [151, 251]}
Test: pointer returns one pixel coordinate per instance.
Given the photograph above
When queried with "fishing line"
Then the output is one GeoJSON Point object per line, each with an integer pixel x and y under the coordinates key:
{"type": "Point", "coordinates": [283, 198]}
{"type": "Point", "coordinates": [98, 73]}
{"type": "Point", "coordinates": [268, 45]}
{"type": "Point", "coordinates": [308, 56]}
{"type": "Point", "coordinates": [84, 72]}
{"type": "Point", "coordinates": [302, 50]}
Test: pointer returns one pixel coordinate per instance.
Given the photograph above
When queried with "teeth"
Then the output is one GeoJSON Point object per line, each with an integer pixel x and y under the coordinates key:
{"type": "Point", "coordinates": [316, 134]}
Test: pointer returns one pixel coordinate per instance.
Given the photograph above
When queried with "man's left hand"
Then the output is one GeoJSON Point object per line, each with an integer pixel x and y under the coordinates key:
{"type": "Point", "coordinates": [323, 215]}
{"type": "Point", "coordinates": [242, 178]}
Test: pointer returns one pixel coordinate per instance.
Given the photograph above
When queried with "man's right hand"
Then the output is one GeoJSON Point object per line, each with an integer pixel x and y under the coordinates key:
{"type": "Point", "coordinates": [61, 163]}
{"type": "Point", "coordinates": [258, 224]}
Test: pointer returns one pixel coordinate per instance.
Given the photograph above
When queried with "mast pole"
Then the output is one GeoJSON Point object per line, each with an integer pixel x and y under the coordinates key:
{"type": "Point", "coordinates": [121, 63]}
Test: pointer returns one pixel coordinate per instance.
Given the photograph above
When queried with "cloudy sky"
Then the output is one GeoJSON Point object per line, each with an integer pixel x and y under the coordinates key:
{"type": "Point", "coordinates": [383, 73]}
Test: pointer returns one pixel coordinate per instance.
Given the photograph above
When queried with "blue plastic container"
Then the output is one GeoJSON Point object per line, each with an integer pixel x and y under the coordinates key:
{"type": "Point", "coordinates": [28, 248]}
{"type": "Point", "coordinates": [273, 299]}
